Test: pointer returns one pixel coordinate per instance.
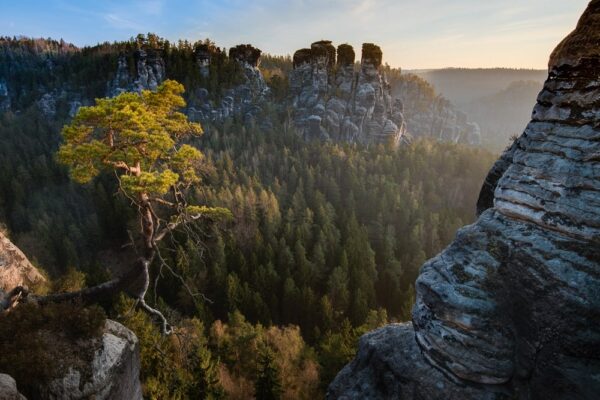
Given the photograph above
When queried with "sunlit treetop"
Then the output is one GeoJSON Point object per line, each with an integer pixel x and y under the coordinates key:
{"type": "Point", "coordinates": [137, 135]}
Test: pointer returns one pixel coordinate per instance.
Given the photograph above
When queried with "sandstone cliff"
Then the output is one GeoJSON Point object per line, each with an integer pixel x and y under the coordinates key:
{"type": "Point", "coordinates": [332, 101]}
{"type": "Point", "coordinates": [244, 100]}
{"type": "Point", "coordinates": [149, 73]}
{"type": "Point", "coordinates": [15, 268]}
{"type": "Point", "coordinates": [511, 309]}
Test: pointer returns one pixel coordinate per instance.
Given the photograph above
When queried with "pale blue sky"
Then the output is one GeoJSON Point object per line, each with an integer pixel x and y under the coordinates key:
{"type": "Point", "coordinates": [412, 33]}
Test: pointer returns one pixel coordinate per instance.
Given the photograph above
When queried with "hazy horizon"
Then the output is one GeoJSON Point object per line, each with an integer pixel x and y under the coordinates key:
{"type": "Point", "coordinates": [432, 34]}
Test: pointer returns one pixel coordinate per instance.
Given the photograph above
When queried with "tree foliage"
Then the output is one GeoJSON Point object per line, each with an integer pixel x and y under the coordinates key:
{"type": "Point", "coordinates": [136, 135]}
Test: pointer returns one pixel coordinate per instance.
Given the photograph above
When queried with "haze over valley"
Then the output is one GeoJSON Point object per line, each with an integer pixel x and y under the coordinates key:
{"type": "Point", "coordinates": [298, 200]}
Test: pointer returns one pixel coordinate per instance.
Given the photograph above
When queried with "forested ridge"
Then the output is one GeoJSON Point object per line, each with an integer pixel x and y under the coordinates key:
{"type": "Point", "coordinates": [325, 242]}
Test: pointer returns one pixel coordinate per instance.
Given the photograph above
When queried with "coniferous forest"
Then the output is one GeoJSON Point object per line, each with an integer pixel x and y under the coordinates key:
{"type": "Point", "coordinates": [325, 242]}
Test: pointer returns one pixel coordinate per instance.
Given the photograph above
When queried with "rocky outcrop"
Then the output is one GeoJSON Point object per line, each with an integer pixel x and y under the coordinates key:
{"type": "Point", "coordinates": [512, 306]}
{"type": "Point", "coordinates": [4, 96]}
{"type": "Point", "coordinates": [8, 388]}
{"type": "Point", "coordinates": [204, 54]}
{"type": "Point", "coordinates": [390, 365]}
{"type": "Point", "coordinates": [149, 73]}
{"type": "Point", "coordinates": [332, 101]}
{"type": "Point", "coordinates": [15, 268]}
{"type": "Point", "coordinates": [113, 374]}
{"type": "Point", "coordinates": [244, 100]}
{"type": "Point", "coordinates": [115, 367]}
{"type": "Point", "coordinates": [427, 115]}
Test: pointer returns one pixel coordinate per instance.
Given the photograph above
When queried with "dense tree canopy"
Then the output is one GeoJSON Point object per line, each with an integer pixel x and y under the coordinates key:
{"type": "Point", "coordinates": [326, 238]}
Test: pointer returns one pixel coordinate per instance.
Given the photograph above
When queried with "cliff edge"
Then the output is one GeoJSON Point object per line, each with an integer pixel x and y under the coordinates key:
{"type": "Point", "coordinates": [511, 309]}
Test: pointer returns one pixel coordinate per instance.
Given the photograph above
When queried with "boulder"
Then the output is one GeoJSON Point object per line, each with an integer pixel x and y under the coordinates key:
{"type": "Point", "coordinates": [8, 389]}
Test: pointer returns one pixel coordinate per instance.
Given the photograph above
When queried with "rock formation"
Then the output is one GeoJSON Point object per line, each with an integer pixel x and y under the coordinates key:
{"type": "Point", "coordinates": [243, 100]}
{"type": "Point", "coordinates": [4, 97]}
{"type": "Point", "coordinates": [113, 374]}
{"type": "Point", "coordinates": [8, 388]}
{"type": "Point", "coordinates": [204, 53]}
{"type": "Point", "coordinates": [149, 73]}
{"type": "Point", "coordinates": [114, 371]}
{"type": "Point", "coordinates": [433, 117]}
{"type": "Point", "coordinates": [511, 309]}
{"type": "Point", "coordinates": [15, 268]}
{"type": "Point", "coordinates": [332, 101]}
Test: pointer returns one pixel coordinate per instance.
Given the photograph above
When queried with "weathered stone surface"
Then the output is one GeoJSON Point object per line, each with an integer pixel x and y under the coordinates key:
{"type": "Point", "coordinates": [114, 371]}
{"type": "Point", "coordinates": [47, 104]}
{"type": "Point", "coordinates": [389, 365]}
{"type": "Point", "coordinates": [8, 388]}
{"type": "Point", "coordinates": [204, 54]}
{"type": "Point", "coordinates": [513, 304]}
{"type": "Point", "coordinates": [324, 49]}
{"type": "Point", "coordinates": [149, 73]}
{"type": "Point", "coordinates": [4, 96]}
{"type": "Point", "coordinates": [245, 100]}
{"type": "Point", "coordinates": [113, 374]}
{"type": "Point", "coordinates": [436, 117]}
{"type": "Point", "coordinates": [347, 105]}
{"type": "Point", "coordinates": [245, 53]}
{"type": "Point", "coordinates": [15, 268]}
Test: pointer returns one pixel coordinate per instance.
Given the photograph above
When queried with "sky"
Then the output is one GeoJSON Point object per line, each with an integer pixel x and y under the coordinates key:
{"type": "Point", "coordinates": [413, 34]}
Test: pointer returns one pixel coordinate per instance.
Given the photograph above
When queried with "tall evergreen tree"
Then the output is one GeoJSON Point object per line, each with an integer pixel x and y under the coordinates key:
{"type": "Point", "coordinates": [268, 380]}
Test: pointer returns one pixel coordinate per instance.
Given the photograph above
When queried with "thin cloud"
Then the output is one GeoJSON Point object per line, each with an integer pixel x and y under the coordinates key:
{"type": "Point", "coordinates": [119, 22]}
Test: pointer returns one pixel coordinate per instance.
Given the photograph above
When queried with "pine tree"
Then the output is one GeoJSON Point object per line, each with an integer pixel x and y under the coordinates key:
{"type": "Point", "coordinates": [205, 379]}
{"type": "Point", "coordinates": [268, 381]}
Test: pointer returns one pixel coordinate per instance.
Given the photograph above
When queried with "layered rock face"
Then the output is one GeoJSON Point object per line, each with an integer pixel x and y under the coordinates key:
{"type": "Point", "coordinates": [332, 101]}
{"type": "Point", "coordinates": [149, 73]}
{"type": "Point", "coordinates": [511, 309]}
{"type": "Point", "coordinates": [8, 388]}
{"type": "Point", "coordinates": [243, 100]}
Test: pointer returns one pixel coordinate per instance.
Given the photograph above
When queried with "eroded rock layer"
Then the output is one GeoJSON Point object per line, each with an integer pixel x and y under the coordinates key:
{"type": "Point", "coordinates": [244, 100]}
{"type": "Point", "coordinates": [333, 102]}
{"type": "Point", "coordinates": [149, 73]}
{"type": "Point", "coordinates": [512, 306]}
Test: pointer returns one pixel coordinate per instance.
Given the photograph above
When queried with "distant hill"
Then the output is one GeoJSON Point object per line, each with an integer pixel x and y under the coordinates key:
{"type": "Point", "coordinates": [463, 85]}
{"type": "Point", "coordinates": [500, 100]}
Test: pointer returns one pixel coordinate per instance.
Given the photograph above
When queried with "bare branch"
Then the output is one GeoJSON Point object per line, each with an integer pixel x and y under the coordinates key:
{"type": "Point", "coordinates": [166, 329]}
{"type": "Point", "coordinates": [180, 278]}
